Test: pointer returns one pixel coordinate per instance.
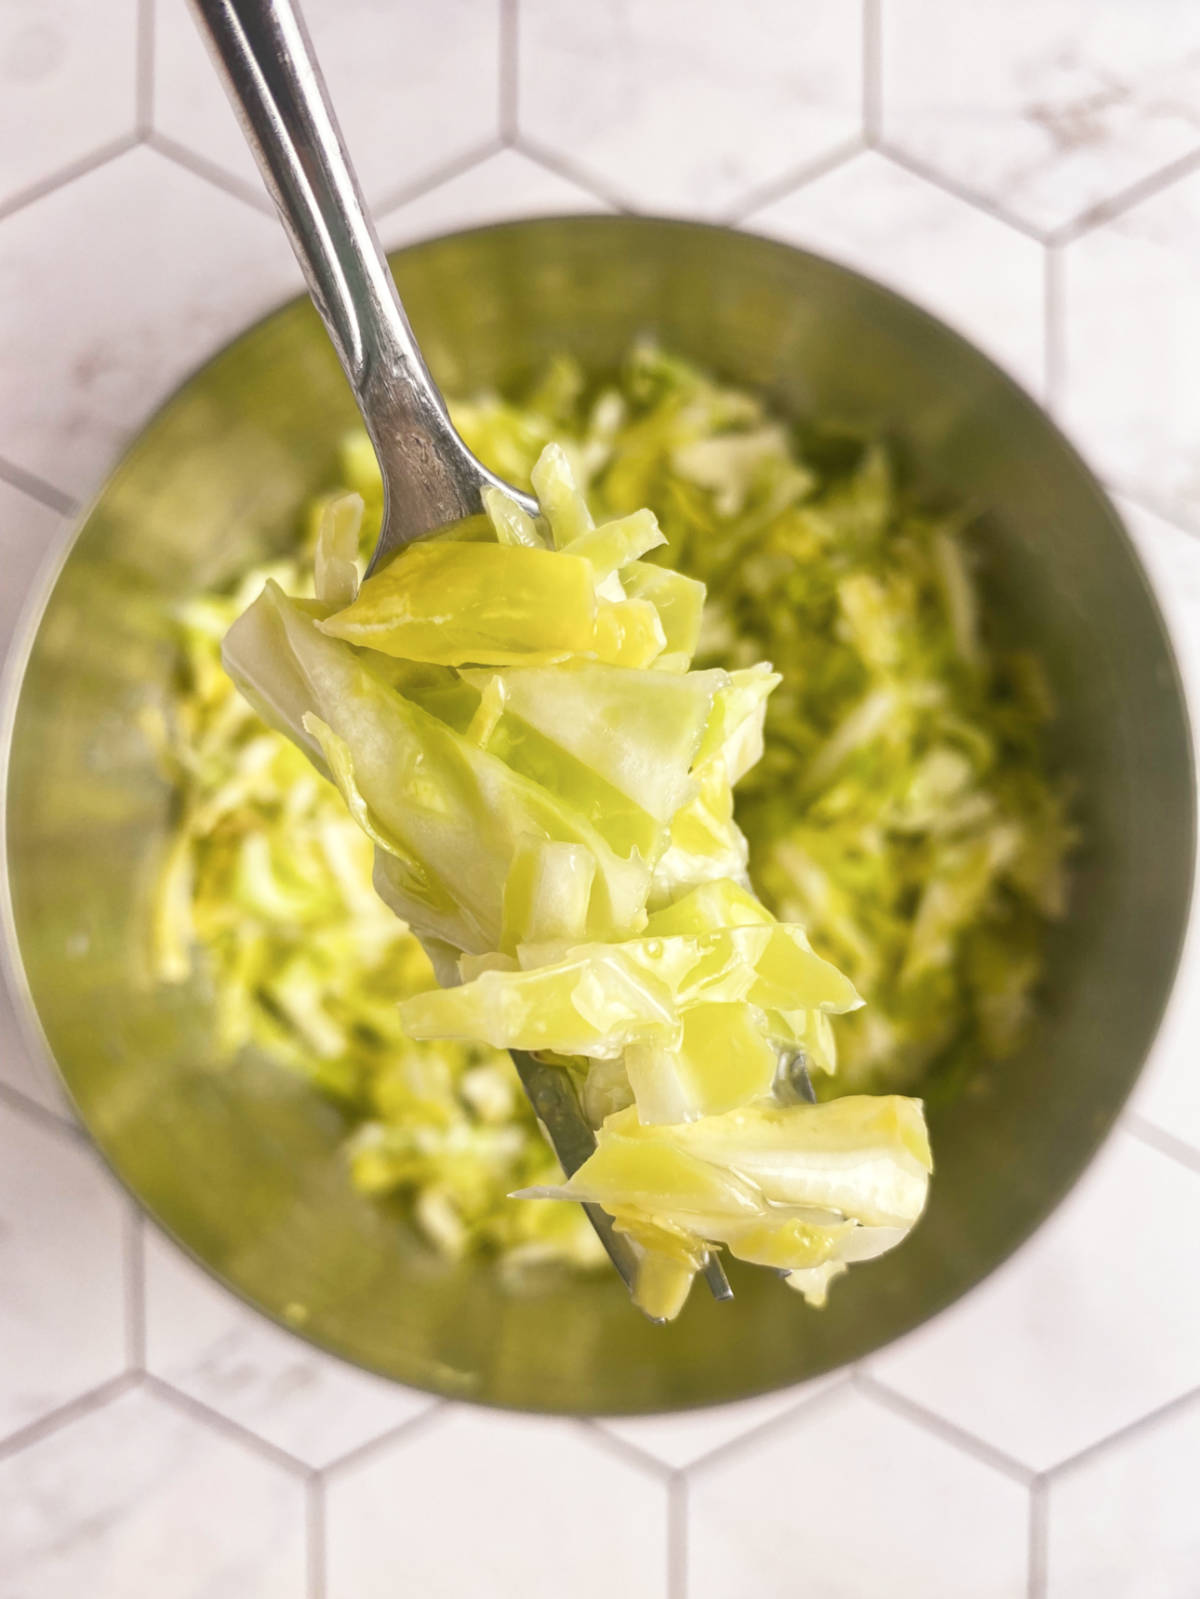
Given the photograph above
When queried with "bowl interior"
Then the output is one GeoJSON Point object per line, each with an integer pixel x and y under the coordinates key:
{"type": "Point", "coordinates": [239, 1161]}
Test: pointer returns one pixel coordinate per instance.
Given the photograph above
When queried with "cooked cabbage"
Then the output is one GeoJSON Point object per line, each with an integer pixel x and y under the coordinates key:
{"type": "Point", "coordinates": [264, 898]}
{"type": "Point", "coordinates": [521, 804]}
{"type": "Point", "coordinates": [900, 811]}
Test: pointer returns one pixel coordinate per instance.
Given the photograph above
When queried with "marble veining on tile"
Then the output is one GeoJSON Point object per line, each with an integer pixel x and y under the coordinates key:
{"type": "Point", "coordinates": [1044, 107]}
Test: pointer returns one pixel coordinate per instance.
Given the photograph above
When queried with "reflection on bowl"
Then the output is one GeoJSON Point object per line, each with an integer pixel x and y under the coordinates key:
{"type": "Point", "coordinates": [241, 1162]}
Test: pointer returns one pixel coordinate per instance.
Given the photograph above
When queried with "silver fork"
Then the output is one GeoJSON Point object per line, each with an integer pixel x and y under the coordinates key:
{"type": "Point", "coordinates": [430, 477]}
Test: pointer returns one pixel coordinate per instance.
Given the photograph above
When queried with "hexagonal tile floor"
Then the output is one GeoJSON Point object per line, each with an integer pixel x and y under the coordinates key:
{"type": "Point", "coordinates": [1032, 174]}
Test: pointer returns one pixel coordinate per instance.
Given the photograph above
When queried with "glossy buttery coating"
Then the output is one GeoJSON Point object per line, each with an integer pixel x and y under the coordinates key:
{"type": "Point", "coordinates": [242, 1164]}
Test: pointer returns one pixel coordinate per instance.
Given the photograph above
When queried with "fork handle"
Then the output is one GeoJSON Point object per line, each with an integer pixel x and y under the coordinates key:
{"type": "Point", "coordinates": [265, 58]}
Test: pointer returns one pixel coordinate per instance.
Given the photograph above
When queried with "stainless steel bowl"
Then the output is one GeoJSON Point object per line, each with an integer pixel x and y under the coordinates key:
{"type": "Point", "coordinates": [239, 1161]}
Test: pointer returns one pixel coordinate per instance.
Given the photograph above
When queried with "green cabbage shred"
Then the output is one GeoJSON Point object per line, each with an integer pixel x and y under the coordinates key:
{"type": "Point", "coordinates": [900, 809]}
{"type": "Point", "coordinates": [902, 812]}
{"type": "Point", "coordinates": [265, 898]}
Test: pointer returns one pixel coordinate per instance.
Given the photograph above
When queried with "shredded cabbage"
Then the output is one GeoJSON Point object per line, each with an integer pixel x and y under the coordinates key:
{"type": "Point", "coordinates": [521, 804]}
{"type": "Point", "coordinates": [900, 810]}
{"type": "Point", "coordinates": [264, 898]}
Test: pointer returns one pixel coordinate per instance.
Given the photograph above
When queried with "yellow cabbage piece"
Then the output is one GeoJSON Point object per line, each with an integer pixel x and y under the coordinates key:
{"type": "Point", "coordinates": [806, 1189]}
{"type": "Point", "coordinates": [514, 724]}
{"type": "Point", "coordinates": [456, 604]}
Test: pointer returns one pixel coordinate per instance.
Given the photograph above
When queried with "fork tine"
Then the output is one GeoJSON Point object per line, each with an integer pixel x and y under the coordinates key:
{"type": "Point", "coordinates": [556, 1105]}
{"type": "Point", "coordinates": [552, 1095]}
{"type": "Point", "coordinates": [714, 1276]}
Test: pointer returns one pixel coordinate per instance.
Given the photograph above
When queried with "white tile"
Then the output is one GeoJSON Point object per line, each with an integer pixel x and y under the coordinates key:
{"type": "Point", "coordinates": [685, 105]}
{"type": "Point", "coordinates": [23, 1066]}
{"type": "Point", "coordinates": [498, 188]}
{"type": "Point", "coordinates": [1074, 1338]}
{"type": "Point", "coordinates": [62, 1309]}
{"type": "Point", "coordinates": [1123, 1522]}
{"type": "Point", "coordinates": [851, 1500]}
{"type": "Point", "coordinates": [68, 76]}
{"type": "Point", "coordinates": [1044, 106]}
{"type": "Point", "coordinates": [1131, 391]}
{"type": "Point", "coordinates": [481, 1502]}
{"type": "Point", "coordinates": [979, 275]}
{"type": "Point", "coordinates": [137, 1499]}
{"type": "Point", "coordinates": [415, 87]}
{"type": "Point", "coordinates": [29, 536]}
{"type": "Point", "coordinates": [205, 1342]}
{"type": "Point", "coordinates": [681, 1440]}
{"type": "Point", "coordinates": [110, 291]}
{"type": "Point", "coordinates": [1168, 1093]}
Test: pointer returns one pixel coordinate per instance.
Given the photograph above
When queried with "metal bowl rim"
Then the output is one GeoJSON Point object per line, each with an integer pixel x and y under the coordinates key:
{"type": "Point", "coordinates": [37, 599]}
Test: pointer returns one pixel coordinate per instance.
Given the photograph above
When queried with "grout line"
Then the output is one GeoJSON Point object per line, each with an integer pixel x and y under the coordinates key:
{"type": "Point", "coordinates": [135, 1289]}
{"type": "Point", "coordinates": [1039, 1537]}
{"type": "Point", "coordinates": [1132, 1429]}
{"type": "Point", "coordinates": [1166, 1143]}
{"type": "Point", "coordinates": [314, 1516]}
{"type": "Point", "coordinates": [1054, 328]}
{"type": "Point", "coordinates": [677, 1539]}
{"type": "Point", "coordinates": [1177, 517]}
{"type": "Point", "coordinates": [755, 1435]}
{"type": "Point", "coordinates": [1189, 529]}
{"type": "Point", "coordinates": [773, 189]}
{"type": "Point", "coordinates": [510, 69]}
{"type": "Point", "coordinates": [144, 91]}
{"type": "Point", "coordinates": [966, 1442]}
{"type": "Point", "coordinates": [1126, 199]}
{"type": "Point", "coordinates": [219, 1422]}
{"type": "Point", "coordinates": [960, 191]}
{"type": "Point", "coordinates": [24, 1104]}
{"type": "Point", "coordinates": [416, 187]}
{"type": "Point", "coordinates": [640, 1459]}
{"type": "Point", "coordinates": [37, 488]}
{"type": "Point", "coordinates": [872, 78]}
{"type": "Point", "coordinates": [383, 1440]}
{"type": "Point", "coordinates": [566, 168]}
{"type": "Point", "coordinates": [76, 169]}
{"type": "Point", "coordinates": [45, 1426]}
{"type": "Point", "coordinates": [200, 167]}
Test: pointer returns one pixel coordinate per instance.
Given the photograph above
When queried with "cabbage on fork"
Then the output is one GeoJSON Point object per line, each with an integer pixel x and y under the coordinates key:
{"type": "Point", "coordinates": [509, 713]}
